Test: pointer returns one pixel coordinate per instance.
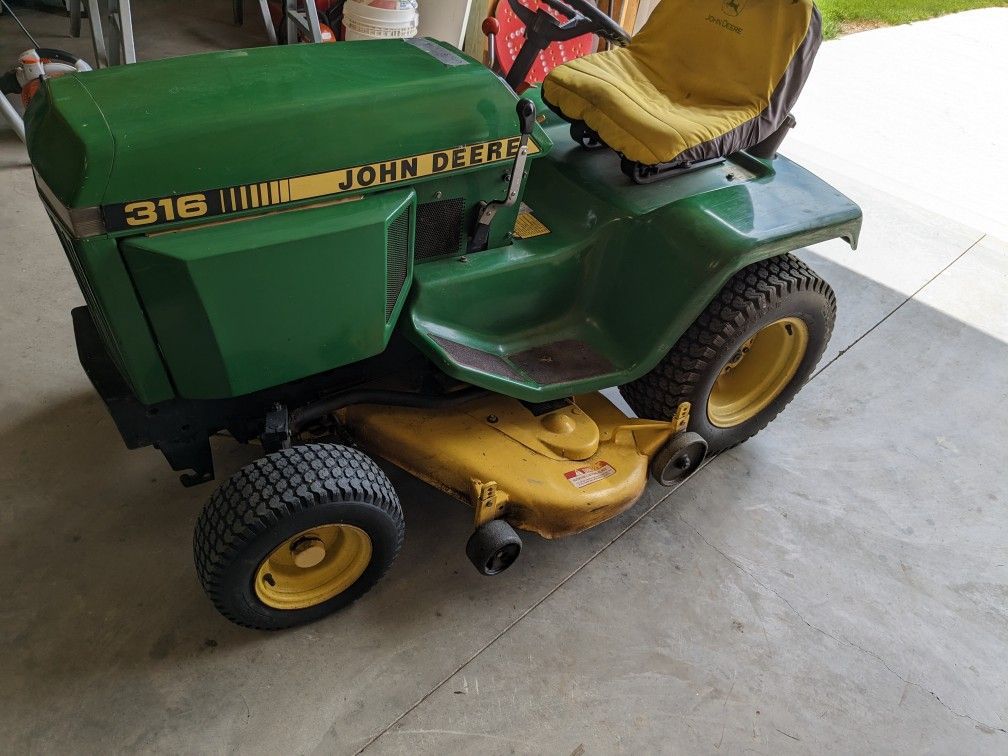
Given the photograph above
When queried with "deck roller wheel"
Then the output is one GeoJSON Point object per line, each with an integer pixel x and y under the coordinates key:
{"type": "Point", "coordinates": [679, 459]}
{"type": "Point", "coordinates": [494, 547]}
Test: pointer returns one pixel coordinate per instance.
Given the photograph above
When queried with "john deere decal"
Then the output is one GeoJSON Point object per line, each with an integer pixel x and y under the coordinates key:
{"type": "Point", "coordinates": [279, 192]}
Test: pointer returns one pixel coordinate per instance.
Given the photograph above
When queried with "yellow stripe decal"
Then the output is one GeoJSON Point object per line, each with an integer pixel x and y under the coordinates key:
{"type": "Point", "coordinates": [354, 180]}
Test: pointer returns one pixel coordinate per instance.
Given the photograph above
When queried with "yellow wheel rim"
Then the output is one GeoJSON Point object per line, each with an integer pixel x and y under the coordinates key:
{"type": "Point", "coordinates": [313, 566]}
{"type": "Point", "coordinates": [758, 373]}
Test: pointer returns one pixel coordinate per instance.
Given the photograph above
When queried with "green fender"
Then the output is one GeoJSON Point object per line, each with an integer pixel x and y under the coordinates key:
{"type": "Point", "coordinates": [623, 273]}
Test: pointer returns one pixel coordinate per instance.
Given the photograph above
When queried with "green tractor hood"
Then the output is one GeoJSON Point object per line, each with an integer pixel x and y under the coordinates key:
{"type": "Point", "coordinates": [322, 151]}
{"type": "Point", "coordinates": [240, 118]}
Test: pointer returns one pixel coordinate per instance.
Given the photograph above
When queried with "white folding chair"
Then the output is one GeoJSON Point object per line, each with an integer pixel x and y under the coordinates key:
{"type": "Point", "coordinates": [115, 47]}
{"type": "Point", "coordinates": [298, 15]}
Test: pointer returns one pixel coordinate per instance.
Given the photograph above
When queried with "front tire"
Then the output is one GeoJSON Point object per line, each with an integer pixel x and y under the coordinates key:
{"type": "Point", "coordinates": [297, 535]}
{"type": "Point", "coordinates": [747, 355]}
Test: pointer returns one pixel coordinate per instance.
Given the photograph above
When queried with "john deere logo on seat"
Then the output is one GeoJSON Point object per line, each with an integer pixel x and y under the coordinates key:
{"type": "Point", "coordinates": [734, 7]}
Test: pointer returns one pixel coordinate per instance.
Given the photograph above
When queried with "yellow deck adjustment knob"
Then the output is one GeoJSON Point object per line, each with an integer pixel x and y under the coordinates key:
{"type": "Point", "coordinates": [559, 422]}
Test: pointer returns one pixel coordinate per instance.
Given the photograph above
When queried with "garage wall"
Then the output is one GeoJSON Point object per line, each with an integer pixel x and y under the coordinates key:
{"type": "Point", "coordinates": [445, 19]}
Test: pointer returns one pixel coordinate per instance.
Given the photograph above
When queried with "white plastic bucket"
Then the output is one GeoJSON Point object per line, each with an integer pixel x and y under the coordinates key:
{"type": "Point", "coordinates": [380, 19]}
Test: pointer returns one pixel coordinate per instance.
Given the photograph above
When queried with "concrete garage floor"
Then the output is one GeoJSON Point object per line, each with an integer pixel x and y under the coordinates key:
{"type": "Point", "coordinates": [839, 584]}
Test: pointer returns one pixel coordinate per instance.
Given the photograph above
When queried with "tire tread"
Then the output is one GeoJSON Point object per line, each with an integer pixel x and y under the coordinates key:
{"type": "Point", "coordinates": [750, 292]}
{"type": "Point", "coordinates": [275, 487]}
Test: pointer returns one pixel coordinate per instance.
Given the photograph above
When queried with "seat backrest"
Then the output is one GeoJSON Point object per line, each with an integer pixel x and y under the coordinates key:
{"type": "Point", "coordinates": [722, 52]}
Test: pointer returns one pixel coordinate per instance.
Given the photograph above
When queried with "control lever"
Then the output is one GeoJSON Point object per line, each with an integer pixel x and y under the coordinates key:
{"type": "Point", "coordinates": [526, 110]}
{"type": "Point", "coordinates": [491, 28]}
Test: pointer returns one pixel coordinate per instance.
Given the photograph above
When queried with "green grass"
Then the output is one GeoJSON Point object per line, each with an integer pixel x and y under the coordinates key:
{"type": "Point", "coordinates": [847, 15]}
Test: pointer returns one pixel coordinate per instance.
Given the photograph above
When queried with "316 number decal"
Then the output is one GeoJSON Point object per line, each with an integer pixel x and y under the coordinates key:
{"type": "Point", "coordinates": [166, 210]}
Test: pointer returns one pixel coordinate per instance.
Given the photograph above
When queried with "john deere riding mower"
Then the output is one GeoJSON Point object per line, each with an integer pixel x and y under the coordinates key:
{"type": "Point", "coordinates": [378, 249]}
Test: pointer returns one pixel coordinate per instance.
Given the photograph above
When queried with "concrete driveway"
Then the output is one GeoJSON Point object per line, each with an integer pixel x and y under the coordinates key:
{"type": "Point", "coordinates": [839, 584]}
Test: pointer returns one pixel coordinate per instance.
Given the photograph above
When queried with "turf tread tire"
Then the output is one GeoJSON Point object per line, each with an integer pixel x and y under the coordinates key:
{"type": "Point", "coordinates": [759, 293]}
{"type": "Point", "coordinates": [282, 487]}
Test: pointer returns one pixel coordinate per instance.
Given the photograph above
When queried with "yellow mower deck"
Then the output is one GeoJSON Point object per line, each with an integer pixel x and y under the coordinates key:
{"type": "Point", "coordinates": [554, 474]}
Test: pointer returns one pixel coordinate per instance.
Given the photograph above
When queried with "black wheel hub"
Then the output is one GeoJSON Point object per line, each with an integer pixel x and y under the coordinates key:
{"type": "Point", "coordinates": [503, 559]}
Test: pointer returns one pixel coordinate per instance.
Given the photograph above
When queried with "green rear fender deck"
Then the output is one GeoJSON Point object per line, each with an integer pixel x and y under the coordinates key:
{"type": "Point", "coordinates": [624, 272]}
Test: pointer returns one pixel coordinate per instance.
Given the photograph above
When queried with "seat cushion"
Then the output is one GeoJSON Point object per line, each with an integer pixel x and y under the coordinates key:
{"type": "Point", "coordinates": [700, 80]}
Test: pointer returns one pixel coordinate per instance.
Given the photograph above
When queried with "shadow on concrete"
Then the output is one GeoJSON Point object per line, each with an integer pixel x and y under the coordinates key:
{"type": "Point", "coordinates": [106, 531]}
{"type": "Point", "coordinates": [837, 583]}
{"type": "Point", "coordinates": [100, 537]}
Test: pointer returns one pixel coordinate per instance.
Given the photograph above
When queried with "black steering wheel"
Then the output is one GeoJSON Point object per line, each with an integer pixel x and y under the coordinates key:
{"type": "Point", "coordinates": [542, 29]}
{"type": "Point", "coordinates": [602, 25]}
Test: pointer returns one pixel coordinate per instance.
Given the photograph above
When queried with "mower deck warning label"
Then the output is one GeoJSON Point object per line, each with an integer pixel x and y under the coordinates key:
{"type": "Point", "coordinates": [585, 476]}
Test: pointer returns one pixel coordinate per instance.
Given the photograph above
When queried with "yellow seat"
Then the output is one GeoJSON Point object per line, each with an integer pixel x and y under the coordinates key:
{"type": "Point", "coordinates": [702, 79]}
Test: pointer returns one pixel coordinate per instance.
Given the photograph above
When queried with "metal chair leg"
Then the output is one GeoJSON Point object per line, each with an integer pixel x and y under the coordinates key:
{"type": "Point", "coordinates": [289, 7]}
{"type": "Point", "coordinates": [75, 18]}
{"type": "Point", "coordinates": [126, 31]}
{"type": "Point", "coordinates": [97, 34]}
{"type": "Point", "coordinates": [10, 114]}
{"type": "Point", "coordinates": [268, 21]}
{"type": "Point", "coordinates": [113, 36]}
{"type": "Point", "coordinates": [313, 20]}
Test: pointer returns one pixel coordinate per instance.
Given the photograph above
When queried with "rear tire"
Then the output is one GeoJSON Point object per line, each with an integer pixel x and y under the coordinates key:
{"type": "Point", "coordinates": [297, 535]}
{"type": "Point", "coordinates": [779, 303]}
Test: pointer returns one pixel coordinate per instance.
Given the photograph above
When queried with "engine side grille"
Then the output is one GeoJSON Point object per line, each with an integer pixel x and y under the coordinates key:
{"type": "Point", "coordinates": [397, 260]}
{"type": "Point", "coordinates": [439, 228]}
